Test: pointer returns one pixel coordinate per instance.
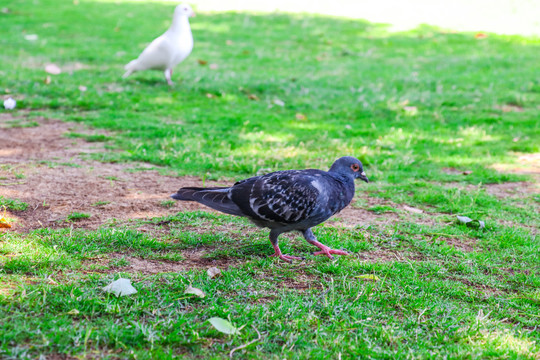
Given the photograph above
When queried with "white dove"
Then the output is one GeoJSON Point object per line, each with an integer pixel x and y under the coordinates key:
{"type": "Point", "coordinates": [168, 50]}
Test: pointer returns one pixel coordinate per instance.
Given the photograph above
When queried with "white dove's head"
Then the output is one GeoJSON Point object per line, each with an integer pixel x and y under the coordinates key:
{"type": "Point", "coordinates": [184, 10]}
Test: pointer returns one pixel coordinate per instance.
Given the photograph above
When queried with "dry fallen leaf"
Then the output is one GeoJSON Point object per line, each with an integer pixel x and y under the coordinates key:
{"type": "Point", "coordinates": [47, 80]}
{"type": "Point", "coordinates": [480, 36]}
{"type": "Point", "coordinates": [52, 69]}
{"type": "Point", "coordinates": [412, 209]}
{"type": "Point", "coordinates": [467, 172]}
{"type": "Point", "coordinates": [210, 96]}
{"type": "Point", "coordinates": [73, 312]}
{"type": "Point", "coordinates": [253, 97]}
{"type": "Point", "coordinates": [202, 62]}
{"type": "Point", "coordinates": [213, 272]}
{"type": "Point", "coordinates": [194, 291]}
{"type": "Point", "coordinates": [300, 116]}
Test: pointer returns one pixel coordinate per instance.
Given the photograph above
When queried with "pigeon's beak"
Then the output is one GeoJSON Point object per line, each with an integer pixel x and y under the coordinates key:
{"type": "Point", "coordinates": [363, 177]}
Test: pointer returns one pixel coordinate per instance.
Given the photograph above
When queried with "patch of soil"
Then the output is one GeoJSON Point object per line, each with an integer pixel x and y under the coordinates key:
{"type": "Point", "coordinates": [528, 164]}
{"type": "Point", "coordinates": [192, 260]}
{"type": "Point", "coordinates": [519, 189]}
{"type": "Point", "coordinates": [515, 189]}
{"type": "Point", "coordinates": [353, 215]}
{"type": "Point", "coordinates": [461, 243]}
{"type": "Point", "coordinates": [383, 255]}
{"type": "Point", "coordinates": [53, 191]}
{"type": "Point", "coordinates": [485, 289]}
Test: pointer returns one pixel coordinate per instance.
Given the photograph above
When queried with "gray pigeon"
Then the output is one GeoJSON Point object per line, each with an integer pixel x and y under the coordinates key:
{"type": "Point", "coordinates": [287, 200]}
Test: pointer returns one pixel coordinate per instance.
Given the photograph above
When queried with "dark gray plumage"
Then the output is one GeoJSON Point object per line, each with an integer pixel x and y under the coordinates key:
{"type": "Point", "coordinates": [286, 200]}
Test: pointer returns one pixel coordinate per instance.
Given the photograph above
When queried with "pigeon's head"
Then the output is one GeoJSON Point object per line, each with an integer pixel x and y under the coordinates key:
{"type": "Point", "coordinates": [184, 10]}
{"type": "Point", "coordinates": [351, 166]}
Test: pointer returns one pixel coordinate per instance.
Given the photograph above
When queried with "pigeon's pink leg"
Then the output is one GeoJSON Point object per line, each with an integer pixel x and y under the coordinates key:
{"type": "Point", "coordinates": [274, 239]}
{"type": "Point", "coordinates": [325, 250]}
{"type": "Point", "coordinates": [284, 257]}
{"type": "Point", "coordinates": [168, 74]}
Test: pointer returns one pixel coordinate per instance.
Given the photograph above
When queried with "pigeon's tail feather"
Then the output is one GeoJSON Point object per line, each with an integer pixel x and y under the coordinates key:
{"type": "Point", "coordinates": [217, 198]}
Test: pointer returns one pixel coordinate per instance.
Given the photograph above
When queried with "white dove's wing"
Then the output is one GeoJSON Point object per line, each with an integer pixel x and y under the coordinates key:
{"type": "Point", "coordinates": [157, 55]}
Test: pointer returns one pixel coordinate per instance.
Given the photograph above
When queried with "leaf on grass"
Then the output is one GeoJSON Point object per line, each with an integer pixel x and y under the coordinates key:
{"type": "Point", "coordinates": [194, 291]}
{"type": "Point", "coordinates": [253, 97]}
{"type": "Point", "coordinates": [223, 326]}
{"type": "Point", "coordinates": [31, 37]}
{"type": "Point", "coordinates": [470, 222]}
{"type": "Point", "coordinates": [368, 277]}
{"type": "Point", "coordinates": [213, 272]}
{"type": "Point", "coordinates": [278, 102]}
{"type": "Point", "coordinates": [480, 35]}
{"type": "Point", "coordinates": [412, 209]}
{"type": "Point", "coordinates": [53, 69]}
{"type": "Point", "coordinates": [120, 287]}
{"type": "Point", "coordinates": [202, 62]}
{"type": "Point", "coordinates": [73, 312]}
{"type": "Point", "coordinates": [4, 223]}
{"type": "Point", "coordinates": [213, 66]}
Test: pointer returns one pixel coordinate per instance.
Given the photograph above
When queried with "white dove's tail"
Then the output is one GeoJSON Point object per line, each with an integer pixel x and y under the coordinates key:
{"type": "Point", "coordinates": [130, 68]}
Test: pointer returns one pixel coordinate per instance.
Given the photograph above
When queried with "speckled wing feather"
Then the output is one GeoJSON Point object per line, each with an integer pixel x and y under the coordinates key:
{"type": "Point", "coordinates": [283, 197]}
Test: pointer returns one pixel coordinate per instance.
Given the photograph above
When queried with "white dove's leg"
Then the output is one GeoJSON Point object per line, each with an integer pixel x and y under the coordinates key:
{"type": "Point", "coordinates": [274, 239]}
{"type": "Point", "coordinates": [325, 250]}
{"type": "Point", "coordinates": [168, 74]}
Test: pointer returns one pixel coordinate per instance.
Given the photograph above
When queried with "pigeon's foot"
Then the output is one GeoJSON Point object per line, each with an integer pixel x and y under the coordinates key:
{"type": "Point", "coordinates": [287, 258]}
{"type": "Point", "coordinates": [325, 250]}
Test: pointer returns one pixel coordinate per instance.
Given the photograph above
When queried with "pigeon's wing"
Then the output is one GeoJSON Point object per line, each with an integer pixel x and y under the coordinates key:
{"type": "Point", "coordinates": [156, 55]}
{"type": "Point", "coordinates": [285, 197]}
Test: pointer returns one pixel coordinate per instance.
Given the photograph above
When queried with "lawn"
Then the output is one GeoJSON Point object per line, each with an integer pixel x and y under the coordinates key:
{"type": "Point", "coordinates": [445, 123]}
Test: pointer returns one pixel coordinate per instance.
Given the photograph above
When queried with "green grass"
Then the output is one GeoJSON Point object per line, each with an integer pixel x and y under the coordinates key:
{"type": "Point", "coordinates": [12, 204]}
{"type": "Point", "coordinates": [409, 105]}
{"type": "Point", "coordinates": [74, 216]}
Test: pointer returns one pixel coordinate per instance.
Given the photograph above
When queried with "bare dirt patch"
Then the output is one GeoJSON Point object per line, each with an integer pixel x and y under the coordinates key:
{"type": "Point", "coordinates": [528, 164]}
{"type": "Point", "coordinates": [192, 260]}
{"type": "Point", "coordinates": [515, 190]}
{"type": "Point", "coordinates": [51, 173]}
{"type": "Point", "coordinates": [384, 255]}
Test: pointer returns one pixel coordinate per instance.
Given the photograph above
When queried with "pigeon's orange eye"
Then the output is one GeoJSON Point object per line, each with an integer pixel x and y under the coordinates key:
{"type": "Point", "coordinates": [355, 167]}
